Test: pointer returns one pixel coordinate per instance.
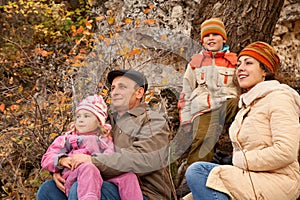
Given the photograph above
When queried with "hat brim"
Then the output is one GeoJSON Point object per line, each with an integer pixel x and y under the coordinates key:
{"type": "Point", "coordinates": [132, 74]}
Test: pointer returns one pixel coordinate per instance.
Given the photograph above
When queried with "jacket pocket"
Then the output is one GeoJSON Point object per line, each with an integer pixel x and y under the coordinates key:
{"type": "Point", "coordinates": [200, 75]}
{"type": "Point", "coordinates": [225, 77]}
{"type": "Point", "coordinates": [200, 100]}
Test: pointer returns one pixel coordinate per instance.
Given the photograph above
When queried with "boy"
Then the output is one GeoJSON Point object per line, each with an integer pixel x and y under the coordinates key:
{"type": "Point", "coordinates": [209, 96]}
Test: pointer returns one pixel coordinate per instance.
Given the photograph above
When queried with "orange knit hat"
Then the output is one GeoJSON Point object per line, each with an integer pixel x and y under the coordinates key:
{"type": "Point", "coordinates": [264, 53]}
{"type": "Point", "coordinates": [213, 25]}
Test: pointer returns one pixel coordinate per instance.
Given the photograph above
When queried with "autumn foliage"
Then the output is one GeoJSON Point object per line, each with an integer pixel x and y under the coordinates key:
{"type": "Point", "coordinates": [44, 53]}
{"type": "Point", "coordinates": [53, 53]}
{"type": "Point", "coordinates": [41, 45]}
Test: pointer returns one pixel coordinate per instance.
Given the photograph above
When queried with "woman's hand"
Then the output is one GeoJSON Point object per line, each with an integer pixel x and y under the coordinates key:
{"type": "Point", "coordinates": [77, 159]}
{"type": "Point", "coordinates": [59, 181]}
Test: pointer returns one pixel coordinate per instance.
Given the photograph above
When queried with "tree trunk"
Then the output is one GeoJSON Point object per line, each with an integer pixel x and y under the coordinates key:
{"type": "Point", "coordinates": [246, 21]}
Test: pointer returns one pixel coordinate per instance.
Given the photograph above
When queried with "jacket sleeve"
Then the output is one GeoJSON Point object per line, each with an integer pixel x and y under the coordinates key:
{"type": "Point", "coordinates": [285, 130]}
{"type": "Point", "coordinates": [146, 154]}
{"type": "Point", "coordinates": [55, 151]}
{"type": "Point", "coordinates": [188, 85]}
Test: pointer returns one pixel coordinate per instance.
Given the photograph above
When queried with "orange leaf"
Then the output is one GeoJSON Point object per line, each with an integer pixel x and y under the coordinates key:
{"type": "Point", "coordinates": [111, 20]}
{"type": "Point", "coordinates": [100, 18]}
{"type": "Point", "coordinates": [77, 42]}
{"type": "Point", "coordinates": [101, 37]}
{"type": "Point", "coordinates": [137, 22]}
{"type": "Point", "coordinates": [147, 10]}
{"type": "Point", "coordinates": [118, 29]}
{"type": "Point", "coordinates": [82, 50]}
{"type": "Point", "coordinates": [80, 29]}
{"type": "Point", "coordinates": [135, 51]}
{"type": "Point", "coordinates": [19, 100]}
{"type": "Point", "coordinates": [105, 92]}
{"type": "Point", "coordinates": [37, 50]}
{"type": "Point", "coordinates": [152, 93]}
{"type": "Point", "coordinates": [88, 25]}
{"type": "Point", "coordinates": [128, 21]}
{"type": "Point", "coordinates": [108, 101]}
{"type": "Point", "coordinates": [164, 37]}
{"type": "Point", "coordinates": [14, 107]}
{"type": "Point", "coordinates": [77, 64]}
{"type": "Point", "coordinates": [147, 99]}
{"type": "Point", "coordinates": [73, 28]}
{"type": "Point", "coordinates": [2, 107]}
{"type": "Point", "coordinates": [149, 21]}
{"type": "Point", "coordinates": [44, 53]}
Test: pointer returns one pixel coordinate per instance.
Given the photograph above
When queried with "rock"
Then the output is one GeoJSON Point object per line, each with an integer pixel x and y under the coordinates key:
{"type": "Point", "coordinates": [286, 41]}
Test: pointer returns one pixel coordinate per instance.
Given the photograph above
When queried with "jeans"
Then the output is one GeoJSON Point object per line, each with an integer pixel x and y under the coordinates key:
{"type": "Point", "coordinates": [49, 191]}
{"type": "Point", "coordinates": [196, 177]}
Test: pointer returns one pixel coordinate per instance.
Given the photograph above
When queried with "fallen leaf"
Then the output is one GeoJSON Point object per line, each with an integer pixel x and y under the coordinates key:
{"type": "Point", "coordinates": [2, 107]}
{"type": "Point", "coordinates": [128, 21]}
{"type": "Point", "coordinates": [100, 18]}
{"type": "Point", "coordinates": [149, 21]}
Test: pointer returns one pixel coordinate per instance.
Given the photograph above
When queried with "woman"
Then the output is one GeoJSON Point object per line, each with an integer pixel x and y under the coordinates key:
{"type": "Point", "coordinates": [265, 136]}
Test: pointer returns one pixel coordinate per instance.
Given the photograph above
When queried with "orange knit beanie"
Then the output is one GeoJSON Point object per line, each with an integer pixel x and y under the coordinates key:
{"type": "Point", "coordinates": [213, 25]}
{"type": "Point", "coordinates": [264, 53]}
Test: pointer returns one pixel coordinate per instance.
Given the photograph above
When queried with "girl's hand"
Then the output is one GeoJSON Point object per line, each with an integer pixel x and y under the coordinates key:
{"type": "Point", "coordinates": [65, 162]}
{"type": "Point", "coordinates": [59, 181]}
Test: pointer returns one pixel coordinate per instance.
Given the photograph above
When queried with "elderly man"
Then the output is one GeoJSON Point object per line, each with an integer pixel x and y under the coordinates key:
{"type": "Point", "coordinates": [141, 139]}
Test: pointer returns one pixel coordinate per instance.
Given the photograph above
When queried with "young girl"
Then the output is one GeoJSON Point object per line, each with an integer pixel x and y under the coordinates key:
{"type": "Point", "coordinates": [90, 135]}
{"type": "Point", "coordinates": [265, 137]}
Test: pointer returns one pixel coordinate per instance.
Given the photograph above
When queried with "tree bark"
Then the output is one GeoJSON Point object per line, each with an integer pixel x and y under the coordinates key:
{"type": "Point", "coordinates": [246, 21]}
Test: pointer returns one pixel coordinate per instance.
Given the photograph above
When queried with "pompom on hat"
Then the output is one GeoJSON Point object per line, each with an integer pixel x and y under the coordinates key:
{"type": "Point", "coordinates": [264, 53]}
{"type": "Point", "coordinates": [213, 25]}
{"type": "Point", "coordinates": [97, 106]}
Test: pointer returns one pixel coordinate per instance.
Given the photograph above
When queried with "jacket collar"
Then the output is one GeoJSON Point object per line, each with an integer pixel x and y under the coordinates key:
{"type": "Point", "coordinates": [139, 110]}
{"type": "Point", "coordinates": [216, 54]}
{"type": "Point", "coordinates": [136, 111]}
{"type": "Point", "coordinates": [264, 88]}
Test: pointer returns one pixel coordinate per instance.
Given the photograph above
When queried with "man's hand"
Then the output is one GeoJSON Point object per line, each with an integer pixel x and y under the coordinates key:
{"type": "Point", "coordinates": [77, 159]}
{"type": "Point", "coordinates": [59, 181]}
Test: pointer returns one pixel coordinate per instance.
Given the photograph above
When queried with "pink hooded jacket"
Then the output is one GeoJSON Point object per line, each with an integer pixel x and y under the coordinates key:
{"type": "Point", "coordinates": [70, 143]}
